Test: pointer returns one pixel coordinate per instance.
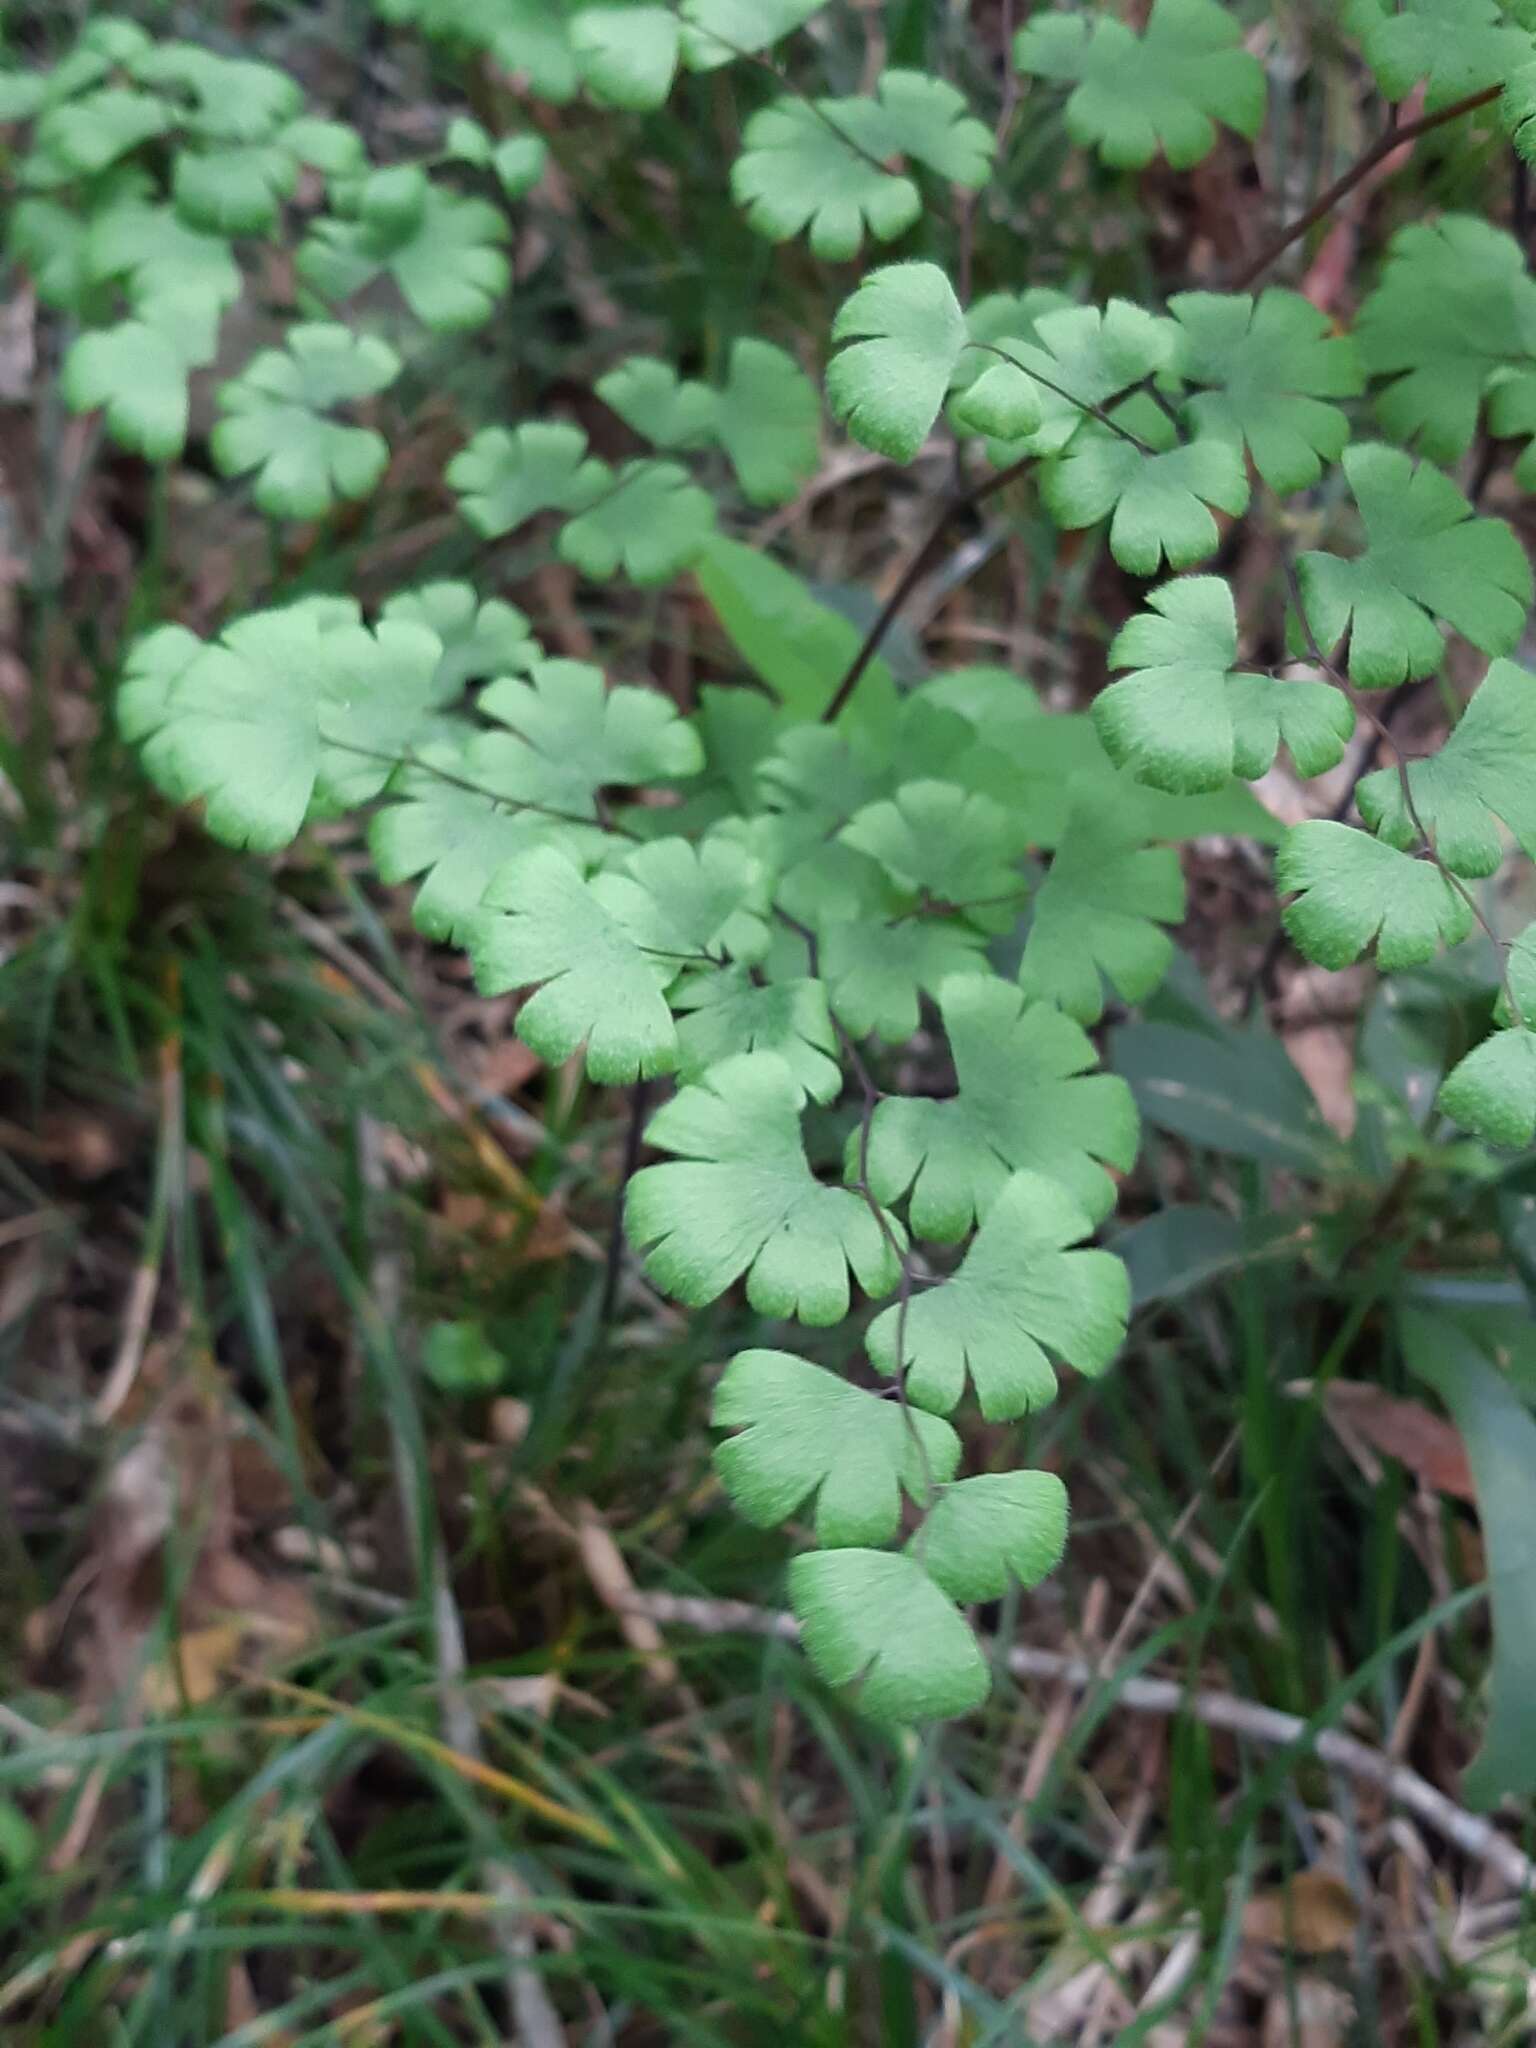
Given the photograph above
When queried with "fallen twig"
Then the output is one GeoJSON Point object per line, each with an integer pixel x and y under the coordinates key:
{"type": "Point", "coordinates": [1476, 1838]}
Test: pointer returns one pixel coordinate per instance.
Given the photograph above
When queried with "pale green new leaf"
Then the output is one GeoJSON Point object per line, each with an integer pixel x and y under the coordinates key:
{"type": "Point", "coordinates": [596, 988]}
{"type": "Point", "coordinates": [740, 1199]}
{"type": "Point", "coordinates": [503, 478]}
{"type": "Point", "coordinates": [1185, 719]}
{"type": "Point", "coordinates": [1017, 1292]}
{"type": "Point", "coordinates": [986, 1534]}
{"type": "Point", "coordinates": [1453, 303]}
{"type": "Point", "coordinates": [1484, 772]}
{"type": "Point", "coordinates": [1351, 890]}
{"type": "Point", "coordinates": [652, 522]}
{"type": "Point", "coordinates": [568, 735]}
{"type": "Point", "coordinates": [907, 332]}
{"type": "Point", "coordinates": [726, 1013]}
{"type": "Point", "coordinates": [1003, 402]}
{"type": "Point", "coordinates": [803, 1431]}
{"type": "Point", "coordinates": [1427, 556]}
{"type": "Point", "coordinates": [1453, 47]}
{"type": "Point", "coordinates": [1266, 371]}
{"type": "Point", "coordinates": [627, 56]}
{"type": "Point", "coordinates": [1099, 915]}
{"type": "Point", "coordinates": [274, 420]}
{"type": "Point", "coordinates": [948, 844]}
{"type": "Point", "coordinates": [1026, 1100]}
{"type": "Point", "coordinates": [1166, 88]}
{"type": "Point", "coordinates": [1158, 493]}
{"type": "Point", "coordinates": [873, 1620]}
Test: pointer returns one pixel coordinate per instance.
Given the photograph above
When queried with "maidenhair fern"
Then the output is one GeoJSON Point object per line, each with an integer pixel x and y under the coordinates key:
{"type": "Point", "coordinates": [767, 891]}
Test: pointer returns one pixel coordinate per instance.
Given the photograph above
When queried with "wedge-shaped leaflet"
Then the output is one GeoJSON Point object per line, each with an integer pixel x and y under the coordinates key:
{"type": "Point", "coordinates": [479, 640]}
{"type": "Point", "coordinates": [568, 735]}
{"type": "Point", "coordinates": [768, 421]}
{"type": "Point", "coordinates": [670, 411]}
{"type": "Point", "coordinates": [596, 987]}
{"type": "Point", "coordinates": [996, 1530]}
{"type": "Point", "coordinates": [651, 523]}
{"type": "Point", "coordinates": [684, 903]}
{"type": "Point", "coordinates": [135, 374]}
{"type": "Point", "coordinates": [1352, 890]}
{"type": "Point", "coordinates": [1164, 89]}
{"type": "Point", "coordinates": [949, 844]}
{"type": "Point", "coordinates": [804, 1431]}
{"type": "Point", "coordinates": [907, 332]}
{"type": "Point", "coordinates": [727, 1013]}
{"type": "Point", "coordinates": [1267, 369]}
{"type": "Point", "coordinates": [820, 165]}
{"type": "Point", "coordinates": [1454, 303]}
{"type": "Point", "coordinates": [1186, 719]}
{"type": "Point", "coordinates": [1484, 772]}
{"type": "Point", "coordinates": [441, 249]}
{"type": "Point", "coordinates": [877, 965]}
{"type": "Point", "coordinates": [234, 189]}
{"type": "Point", "coordinates": [457, 839]}
{"type": "Point", "coordinates": [1017, 1293]}
{"type": "Point", "coordinates": [274, 420]}
{"type": "Point", "coordinates": [740, 1199]}
{"type": "Point", "coordinates": [1027, 1099]}
{"type": "Point", "coordinates": [627, 56]}
{"type": "Point", "coordinates": [1452, 47]}
{"type": "Point", "coordinates": [1077, 357]}
{"type": "Point", "coordinates": [1426, 557]}
{"type": "Point", "coordinates": [1512, 416]}
{"type": "Point", "coordinates": [1492, 1092]}
{"type": "Point", "coordinates": [1155, 490]}
{"type": "Point", "coordinates": [875, 1621]}
{"type": "Point", "coordinates": [286, 710]}
{"type": "Point", "coordinates": [505, 477]}
{"type": "Point", "coordinates": [716, 32]}
{"type": "Point", "coordinates": [1099, 915]}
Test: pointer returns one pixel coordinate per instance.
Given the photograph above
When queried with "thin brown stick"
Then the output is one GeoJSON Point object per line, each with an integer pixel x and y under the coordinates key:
{"type": "Point", "coordinates": [1474, 1837]}
{"type": "Point", "coordinates": [1393, 138]}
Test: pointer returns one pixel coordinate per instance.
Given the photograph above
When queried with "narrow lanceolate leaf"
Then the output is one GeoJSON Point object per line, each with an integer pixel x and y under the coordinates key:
{"type": "Point", "coordinates": [503, 478]}
{"type": "Point", "coordinates": [1484, 773]}
{"type": "Point", "coordinates": [275, 420]}
{"type": "Point", "coordinates": [1017, 1294]}
{"type": "Point", "coordinates": [726, 1013]}
{"type": "Point", "coordinates": [1186, 719]}
{"type": "Point", "coordinates": [1496, 1425]}
{"type": "Point", "coordinates": [1027, 1098]}
{"type": "Point", "coordinates": [875, 1621]}
{"type": "Point", "coordinates": [907, 331]}
{"type": "Point", "coordinates": [1165, 89]}
{"type": "Point", "coordinates": [1454, 303]}
{"type": "Point", "coordinates": [740, 1199]}
{"type": "Point", "coordinates": [994, 1531]}
{"type": "Point", "coordinates": [1426, 557]}
{"type": "Point", "coordinates": [1351, 891]}
{"type": "Point", "coordinates": [595, 987]}
{"type": "Point", "coordinates": [949, 844]}
{"type": "Point", "coordinates": [1099, 916]}
{"type": "Point", "coordinates": [1157, 496]}
{"type": "Point", "coordinates": [652, 522]}
{"type": "Point", "coordinates": [1492, 1092]}
{"type": "Point", "coordinates": [804, 1431]}
{"type": "Point", "coordinates": [1266, 370]}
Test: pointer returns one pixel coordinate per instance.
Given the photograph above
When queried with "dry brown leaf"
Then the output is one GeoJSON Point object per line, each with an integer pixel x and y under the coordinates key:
{"type": "Point", "coordinates": [1314, 1914]}
{"type": "Point", "coordinates": [1424, 1442]}
{"type": "Point", "coordinates": [1311, 2014]}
